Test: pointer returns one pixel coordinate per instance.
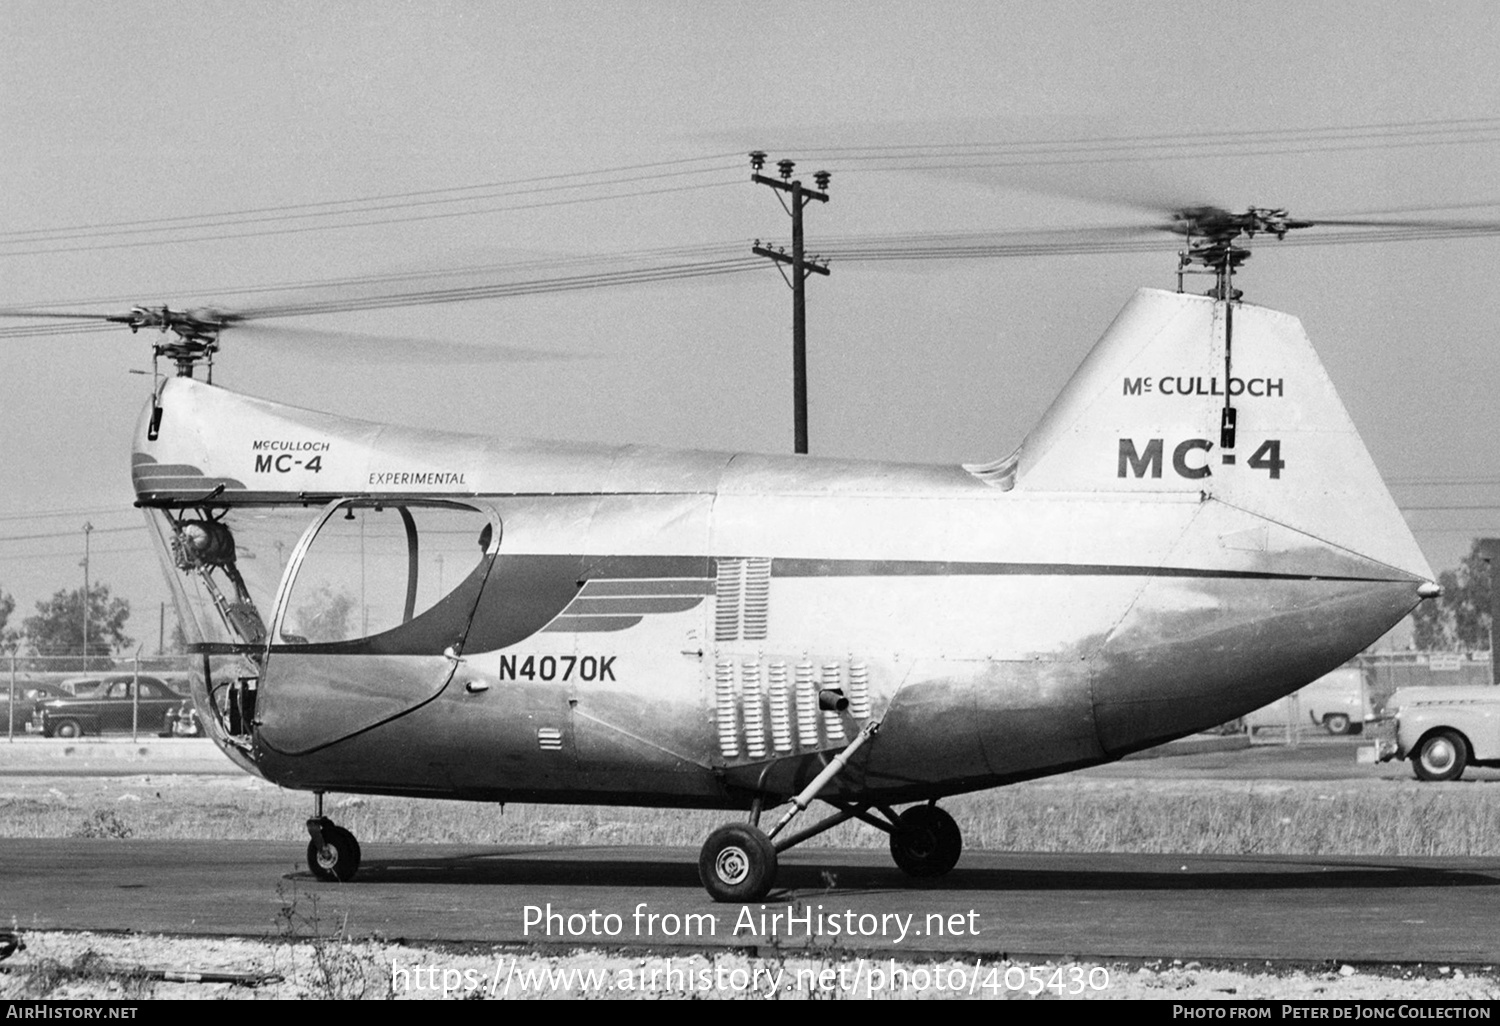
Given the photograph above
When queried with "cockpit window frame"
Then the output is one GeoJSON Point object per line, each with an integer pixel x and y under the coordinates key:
{"type": "Point", "coordinates": [276, 641]}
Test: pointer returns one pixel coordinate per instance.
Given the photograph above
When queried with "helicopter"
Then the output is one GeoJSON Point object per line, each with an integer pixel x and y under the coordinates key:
{"type": "Point", "coordinates": [1193, 529]}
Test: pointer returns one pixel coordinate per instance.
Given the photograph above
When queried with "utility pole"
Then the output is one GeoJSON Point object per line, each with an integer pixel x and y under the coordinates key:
{"type": "Point", "coordinates": [1489, 551]}
{"type": "Point", "coordinates": [801, 268]}
{"type": "Point", "coordinates": [88, 529]}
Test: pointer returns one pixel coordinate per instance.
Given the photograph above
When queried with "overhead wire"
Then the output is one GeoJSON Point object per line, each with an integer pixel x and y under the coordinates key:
{"type": "Point", "coordinates": [61, 235]}
{"type": "Point", "coordinates": [385, 197]}
{"type": "Point", "coordinates": [178, 240]}
{"type": "Point", "coordinates": [51, 514]}
{"type": "Point", "coordinates": [345, 213]}
{"type": "Point", "coordinates": [647, 266]}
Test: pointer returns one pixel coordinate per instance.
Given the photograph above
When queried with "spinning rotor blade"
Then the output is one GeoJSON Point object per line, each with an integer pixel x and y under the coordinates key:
{"type": "Point", "coordinates": [205, 323]}
{"type": "Point", "coordinates": [349, 347]}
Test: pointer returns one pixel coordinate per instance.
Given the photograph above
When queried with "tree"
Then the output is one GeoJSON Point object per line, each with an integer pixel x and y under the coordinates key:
{"type": "Point", "coordinates": [57, 627]}
{"type": "Point", "coordinates": [324, 616]}
{"type": "Point", "coordinates": [10, 639]}
{"type": "Point", "coordinates": [1460, 618]}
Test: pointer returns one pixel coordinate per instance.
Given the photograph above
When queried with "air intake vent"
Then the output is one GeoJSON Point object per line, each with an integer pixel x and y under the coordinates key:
{"type": "Point", "coordinates": [729, 745]}
{"type": "Point", "coordinates": [743, 607]}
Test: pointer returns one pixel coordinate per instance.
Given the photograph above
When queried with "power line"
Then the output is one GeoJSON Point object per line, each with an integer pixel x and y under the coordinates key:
{"type": "Point", "coordinates": [62, 235]}
{"type": "Point", "coordinates": [1178, 139]}
{"type": "Point", "coordinates": [421, 195]}
{"type": "Point", "coordinates": [648, 274]}
{"type": "Point", "coordinates": [1125, 149]}
{"type": "Point", "coordinates": [175, 240]}
{"type": "Point", "coordinates": [1376, 132]}
{"type": "Point", "coordinates": [10, 557]}
{"type": "Point", "coordinates": [69, 534]}
{"type": "Point", "coordinates": [1430, 509]}
{"type": "Point", "coordinates": [537, 264]}
{"type": "Point", "coordinates": [48, 514]}
{"type": "Point", "coordinates": [1026, 152]}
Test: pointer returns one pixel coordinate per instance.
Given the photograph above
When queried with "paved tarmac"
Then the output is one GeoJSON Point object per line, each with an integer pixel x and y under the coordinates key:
{"type": "Point", "coordinates": [1274, 908]}
{"type": "Point", "coordinates": [1104, 906]}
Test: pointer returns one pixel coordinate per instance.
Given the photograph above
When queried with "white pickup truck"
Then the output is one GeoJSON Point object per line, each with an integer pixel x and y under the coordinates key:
{"type": "Point", "coordinates": [1443, 730]}
{"type": "Point", "coordinates": [1336, 701]}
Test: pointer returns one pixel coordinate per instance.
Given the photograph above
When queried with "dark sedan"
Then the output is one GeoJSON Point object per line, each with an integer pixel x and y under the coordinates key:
{"type": "Point", "coordinates": [27, 695]}
{"type": "Point", "coordinates": [112, 707]}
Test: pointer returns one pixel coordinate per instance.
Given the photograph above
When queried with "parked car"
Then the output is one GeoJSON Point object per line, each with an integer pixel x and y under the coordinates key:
{"type": "Point", "coordinates": [182, 721]}
{"type": "Point", "coordinates": [1338, 702]}
{"type": "Point", "coordinates": [81, 685]}
{"type": "Point", "coordinates": [1443, 730]}
{"type": "Point", "coordinates": [110, 707]}
{"type": "Point", "coordinates": [27, 695]}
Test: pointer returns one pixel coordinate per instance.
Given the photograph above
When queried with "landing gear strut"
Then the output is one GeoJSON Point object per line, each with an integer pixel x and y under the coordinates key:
{"type": "Point", "coordinates": [738, 861]}
{"type": "Point", "coordinates": [333, 852]}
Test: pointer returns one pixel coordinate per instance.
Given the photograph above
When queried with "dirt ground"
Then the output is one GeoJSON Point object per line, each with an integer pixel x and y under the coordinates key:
{"type": "Point", "coordinates": [72, 966]}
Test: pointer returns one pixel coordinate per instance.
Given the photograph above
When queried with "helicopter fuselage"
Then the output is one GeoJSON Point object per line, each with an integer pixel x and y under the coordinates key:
{"type": "Point", "coordinates": [460, 617]}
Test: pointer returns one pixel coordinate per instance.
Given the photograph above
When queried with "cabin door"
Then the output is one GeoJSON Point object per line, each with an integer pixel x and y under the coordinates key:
{"type": "Point", "coordinates": [371, 617]}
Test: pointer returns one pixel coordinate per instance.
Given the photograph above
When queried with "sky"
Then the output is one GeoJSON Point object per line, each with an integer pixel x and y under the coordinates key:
{"type": "Point", "coordinates": [600, 129]}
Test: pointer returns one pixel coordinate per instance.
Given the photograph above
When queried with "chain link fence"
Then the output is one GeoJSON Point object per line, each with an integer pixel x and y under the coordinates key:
{"type": "Point", "coordinates": [29, 679]}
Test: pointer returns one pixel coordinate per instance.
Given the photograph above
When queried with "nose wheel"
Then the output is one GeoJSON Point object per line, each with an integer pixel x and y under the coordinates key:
{"type": "Point", "coordinates": [332, 851]}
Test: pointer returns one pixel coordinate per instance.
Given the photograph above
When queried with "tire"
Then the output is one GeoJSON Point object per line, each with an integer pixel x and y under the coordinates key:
{"type": "Point", "coordinates": [926, 842]}
{"type": "Point", "coordinates": [1441, 755]}
{"type": "Point", "coordinates": [737, 863]}
{"type": "Point", "coordinates": [67, 728]}
{"type": "Point", "coordinates": [338, 859]}
{"type": "Point", "coordinates": [1336, 724]}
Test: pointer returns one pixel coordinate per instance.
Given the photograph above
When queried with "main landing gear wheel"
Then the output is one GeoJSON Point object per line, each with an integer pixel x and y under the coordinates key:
{"type": "Point", "coordinates": [926, 841]}
{"type": "Point", "coordinates": [337, 858]}
{"type": "Point", "coordinates": [1441, 756]}
{"type": "Point", "coordinates": [738, 863]}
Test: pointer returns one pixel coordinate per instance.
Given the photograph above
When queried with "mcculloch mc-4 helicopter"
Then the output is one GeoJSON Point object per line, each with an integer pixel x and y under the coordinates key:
{"type": "Point", "coordinates": [1192, 530]}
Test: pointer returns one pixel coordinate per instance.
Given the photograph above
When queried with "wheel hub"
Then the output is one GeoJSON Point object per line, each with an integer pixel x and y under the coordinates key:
{"type": "Point", "coordinates": [921, 843]}
{"type": "Point", "coordinates": [1439, 755]}
{"type": "Point", "coordinates": [732, 865]}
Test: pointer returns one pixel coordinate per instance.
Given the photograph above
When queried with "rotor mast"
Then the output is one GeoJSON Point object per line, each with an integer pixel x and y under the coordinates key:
{"type": "Point", "coordinates": [1211, 233]}
{"type": "Point", "coordinates": [196, 331]}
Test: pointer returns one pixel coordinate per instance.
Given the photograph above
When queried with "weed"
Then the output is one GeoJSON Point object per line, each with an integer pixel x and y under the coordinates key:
{"type": "Point", "coordinates": [1358, 817]}
{"type": "Point", "coordinates": [338, 970]}
{"type": "Point", "coordinates": [104, 823]}
{"type": "Point", "coordinates": [45, 977]}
